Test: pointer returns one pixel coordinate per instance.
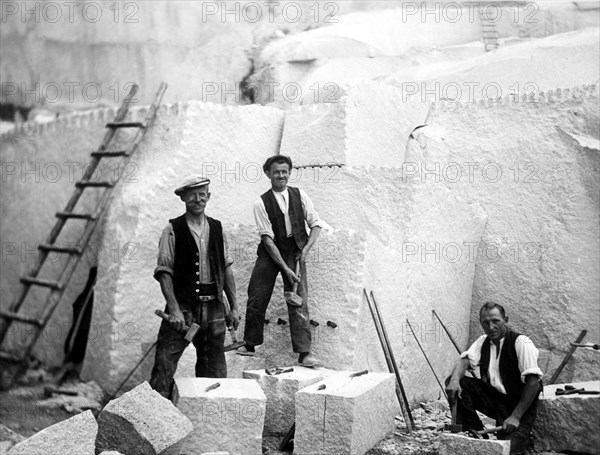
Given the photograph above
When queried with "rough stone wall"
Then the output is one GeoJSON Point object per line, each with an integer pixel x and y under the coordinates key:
{"type": "Point", "coordinates": [398, 216]}
{"type": "Point", "coordinates": [539, 186]}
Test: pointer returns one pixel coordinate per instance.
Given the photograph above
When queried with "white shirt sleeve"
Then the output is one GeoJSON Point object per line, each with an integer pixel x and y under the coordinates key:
{"type": "Point", "coordinates": [474, 355]}
{"type": "Point", "coordinates": [527, 354]}
{"type": "Point", "coordinates": [166, 252]}
{"type": "Point", "coordinates": [310, 214]}
{"type": "Point", "coordinates": [228, 258]}
{"type": "Point", "coordinates": [262, 219]}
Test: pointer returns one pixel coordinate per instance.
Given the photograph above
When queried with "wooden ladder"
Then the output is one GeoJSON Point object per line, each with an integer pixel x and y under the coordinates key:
{"type": "Point", "coordinates": [12, 364]}
{"type": "Point", "coordinates": [490, 34]}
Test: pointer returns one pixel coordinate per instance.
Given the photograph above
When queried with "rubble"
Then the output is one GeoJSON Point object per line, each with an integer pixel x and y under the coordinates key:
{"type": "Point", "coordinates": [142, 422]}
{"type": "Point", "coordinates": [75, 436]}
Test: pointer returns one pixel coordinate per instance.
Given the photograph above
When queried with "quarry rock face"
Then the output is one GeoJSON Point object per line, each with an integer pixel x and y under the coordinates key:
{"type": "Point", "coordinates": [349, 415]}
{"type": "Point", "coordinates": [568, 422]}
{"type": "Point", "coordinates": [280, 390]}
{"type": "Point", "coordinates": [141, 421]}
{"type": "Point", "coordinates": [76, 435]}
{"type": "Point", "coordinates": [228, 418]}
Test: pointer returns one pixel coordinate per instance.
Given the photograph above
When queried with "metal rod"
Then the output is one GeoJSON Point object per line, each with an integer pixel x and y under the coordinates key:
{"type": "Point", "coordinates": [428, 362]}
{"type": "Point", "coordinates": [114, 394]}
{"type": "Point", "coordinates": [447, 332]}
{"type": "Point", "coordinates": [391, 362]}
{"type": "Point", "coordinates": [567, 357]}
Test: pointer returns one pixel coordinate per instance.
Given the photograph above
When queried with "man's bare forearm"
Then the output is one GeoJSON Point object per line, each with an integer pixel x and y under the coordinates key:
{"type": "Point", "coordinates": [314, 235]}
{"type": "Point", "coordinates": [460, 369]}
{"type": "Point", "coordinates": [168, 291]}
{"type": "Point", "coordinates": [530, 391]}
{"type": "Point", "coordinates": [230, 289]}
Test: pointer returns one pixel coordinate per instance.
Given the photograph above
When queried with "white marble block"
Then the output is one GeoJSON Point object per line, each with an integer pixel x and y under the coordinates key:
{"type": "Point", "coordinates": [281, 389]}
{"type": "Point", "coordinates": [229, 418]}
{"type": "Point", "coordinates": [350, 415]}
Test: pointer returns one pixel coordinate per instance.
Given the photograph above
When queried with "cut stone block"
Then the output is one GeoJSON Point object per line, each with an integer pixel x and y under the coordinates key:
{"type": "Point", "coordinates": [452, 444]}
{"type": "Point", "coordinates": [350, 415]}
{"type": "Point", "coordinates": [568, 422]}
{"type": "Point", "coordinates": [280, 391]}
{"type": "Point", "coordinates": [229, 418]}
{"type": "Point", "coordinates": [76, 436]}
{"type": "Point", "coordinates": [142, 422]}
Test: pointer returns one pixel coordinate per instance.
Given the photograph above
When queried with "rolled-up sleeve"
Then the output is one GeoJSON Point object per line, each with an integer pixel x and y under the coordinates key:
{"type": "Point", "coordinates": [310, 214]}
{"type": "Point", "coordinates": [527, 354]}
{"type": "Point", "coordinates": [473, 354]}
{"type": "Point", "coordinates": [228, 258]}
{"type": "Point", "coordinates": [166, 252]}
{"type": "Point", "coordinates": [262, 219]}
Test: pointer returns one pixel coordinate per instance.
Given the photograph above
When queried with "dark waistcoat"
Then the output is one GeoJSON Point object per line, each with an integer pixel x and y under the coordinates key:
{"type": "Point", "coordinates": [509, 366]}
{"type": "Point", "coordinates": [277, 217]}
{"type": "Point", "coordinates": [186, 258]}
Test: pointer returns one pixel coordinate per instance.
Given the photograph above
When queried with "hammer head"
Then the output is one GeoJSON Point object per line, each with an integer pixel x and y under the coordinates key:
{"type": "Point", "coordinates": [192, 331]}
{"type": "Point", "coordinates": [292, 298]}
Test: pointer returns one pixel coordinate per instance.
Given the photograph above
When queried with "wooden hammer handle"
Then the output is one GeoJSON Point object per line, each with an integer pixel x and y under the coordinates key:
{"type": "Point", "coordinates": [165, 316]}
{"type": "Point", "coordinates": [297, 272]}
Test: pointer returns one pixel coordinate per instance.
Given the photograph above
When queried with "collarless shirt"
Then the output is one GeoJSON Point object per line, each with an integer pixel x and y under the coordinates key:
{"type": "Point", "coordinates": [201, 235]}
{"type": "Point", "coordinates": [283, 201]}
{"type": "Point", "coordinates": [527, 355]}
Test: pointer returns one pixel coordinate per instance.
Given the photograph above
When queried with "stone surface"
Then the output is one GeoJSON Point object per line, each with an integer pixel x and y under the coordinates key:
{"type": "Point", "coordinates": [568, 422]}
{"type": "Point", "coordinates": [229, 418]}
{"type": "Point", "coordinates": [280, 391]}
{"type": "Point", "coordinates": [452, 444]}
{"type": "Point", "coordinates": [74, 436]}
{"type": "Point", "coordinates": [350, 415]}
{"type": "Point", "coordinates": [141, 421]}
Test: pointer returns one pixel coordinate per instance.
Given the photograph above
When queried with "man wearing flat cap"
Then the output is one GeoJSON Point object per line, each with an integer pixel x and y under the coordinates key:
{"type": "Point", "coordinates": [193, 269]}
{"type": "Point", "coordinates": [282, 215]}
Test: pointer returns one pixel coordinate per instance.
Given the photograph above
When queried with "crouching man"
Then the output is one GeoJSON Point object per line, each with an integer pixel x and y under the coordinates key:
{"type": "Point", "coordinates": [507, 382]}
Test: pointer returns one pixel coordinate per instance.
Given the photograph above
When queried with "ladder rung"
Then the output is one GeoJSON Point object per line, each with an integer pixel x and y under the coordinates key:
{"type": "Point", "coordinates": [21, 318]}
{"type": "Point", "coordinates": [10, 357]}
{"type": "Point", "coordinates": [110, 154]}
{"type": "Point", "coordinates": [40, 282]}
{"type": "Point", "coordinates": [60, 249]}
{"type": "Point", "coordinates": [81, 216]}
{"type": "Point", "coordinates": [90, 183]}
{"type": "Point", "coordinates": [125, 125]}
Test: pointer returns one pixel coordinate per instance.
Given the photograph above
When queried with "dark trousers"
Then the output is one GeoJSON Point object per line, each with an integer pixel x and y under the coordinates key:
{"type": "Point", "coordinates": [479, 396]}
{"type": "Point", "coordinates": [260, 290]}
{"type": "Point", "coordinates": [209, 341]}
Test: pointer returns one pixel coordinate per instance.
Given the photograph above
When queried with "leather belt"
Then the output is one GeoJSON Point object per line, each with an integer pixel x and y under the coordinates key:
{"type": "Point", "coordinates": [206, 298]}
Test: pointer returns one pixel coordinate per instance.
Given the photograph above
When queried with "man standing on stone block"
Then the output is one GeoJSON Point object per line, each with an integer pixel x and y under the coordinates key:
{"type": "Point", "coordinates": [507, 382]}
{"type": "Point", "coordinates": [281, 214]}
{"type": "Point", "coordinates": [194, 268]}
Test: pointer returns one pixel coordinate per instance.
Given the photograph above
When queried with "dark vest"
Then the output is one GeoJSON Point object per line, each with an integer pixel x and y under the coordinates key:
{"type": "Point", "coordinates": [277, 217]}
{"type": "Point", "coordinates": [186, 257]}
{"type": "Point", "coordinates": [509, 366]}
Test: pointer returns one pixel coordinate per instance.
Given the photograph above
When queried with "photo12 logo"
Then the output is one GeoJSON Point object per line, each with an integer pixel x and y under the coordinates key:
{"type": "Point", "coordinates": [71, 12]}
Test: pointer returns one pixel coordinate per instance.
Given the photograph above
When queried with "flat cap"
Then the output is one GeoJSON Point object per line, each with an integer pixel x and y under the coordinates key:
{"type": "Point", "coordinates": [277, 158]}
{"type": "Point", "coordinates": [191, 182]}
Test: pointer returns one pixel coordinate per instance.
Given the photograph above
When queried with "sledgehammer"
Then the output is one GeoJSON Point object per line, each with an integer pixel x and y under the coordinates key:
{"type": "Point", "coordinates": [190, 332]}
{"type": "Point", "coordinates": [453, 427]}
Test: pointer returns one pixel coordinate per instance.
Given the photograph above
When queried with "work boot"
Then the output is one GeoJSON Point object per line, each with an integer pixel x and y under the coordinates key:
{"type": "Point", "coordinates": [245, 351]}
{"type": "Point", "coordinates": [309, 361]}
